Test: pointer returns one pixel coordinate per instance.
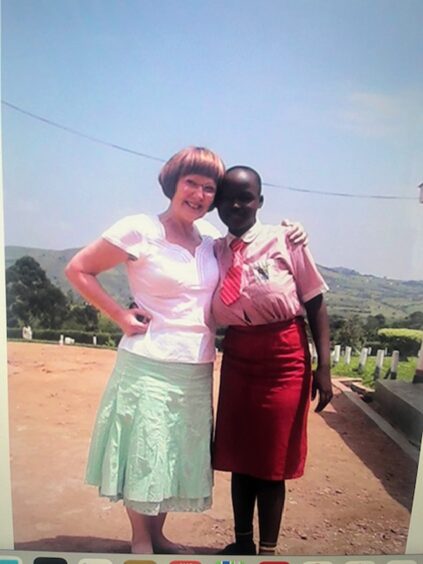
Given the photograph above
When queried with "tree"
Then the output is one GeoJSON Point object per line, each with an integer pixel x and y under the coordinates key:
{"type": "Point", "coordinates": [352, 333]}
{"type": "Point", "coordinates": [373, 324]}
{"type": "Point", "coordinates": [32, 298]}
{"type": "Point", "coordinates": [83, 317]}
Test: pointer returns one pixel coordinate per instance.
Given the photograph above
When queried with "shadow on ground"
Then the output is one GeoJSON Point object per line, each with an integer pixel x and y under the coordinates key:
{"type": "Point", "coordinates": [391, 466]}
{"type": "Point", "coordinates": [63, 543]}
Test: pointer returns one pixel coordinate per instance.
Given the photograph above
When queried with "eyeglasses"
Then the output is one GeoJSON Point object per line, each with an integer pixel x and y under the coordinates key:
{"type": "Point", "coordinates": [209, 189]}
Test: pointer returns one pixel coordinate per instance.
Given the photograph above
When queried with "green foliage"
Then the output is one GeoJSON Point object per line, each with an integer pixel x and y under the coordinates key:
{"type": "Point", "coordinates": [81, 337]}
{"type": "Point", "coordinates": [31, 297]}
{"type": "Point", "coordinates": [406, 370]}
{"type": "Point", "coordinates": [106, 325]}
{"type": "Point", "coordinates": [412, 321]}
{"type": "Point", "coordinates": [347, 331]}
{"type": "Point", "coordinates": [83, 317]}
{"type": "Point", "coordinates": [406, 341]}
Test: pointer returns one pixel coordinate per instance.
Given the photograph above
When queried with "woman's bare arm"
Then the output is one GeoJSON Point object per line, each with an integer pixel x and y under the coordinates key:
{"type": "Point", "coordinates": [82, 272]}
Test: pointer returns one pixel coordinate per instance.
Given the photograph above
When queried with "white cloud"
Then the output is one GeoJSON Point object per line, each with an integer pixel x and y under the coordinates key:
{"type": "Point", "coordinates": [372, 114]}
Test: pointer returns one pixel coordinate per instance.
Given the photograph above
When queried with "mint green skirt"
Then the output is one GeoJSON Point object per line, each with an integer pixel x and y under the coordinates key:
{"type": "Point", "coordinates": [151, 440]}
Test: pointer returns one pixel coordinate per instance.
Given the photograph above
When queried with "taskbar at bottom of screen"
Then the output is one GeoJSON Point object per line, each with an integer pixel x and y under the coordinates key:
{"type": "Point", "coordinates": [34, 557]}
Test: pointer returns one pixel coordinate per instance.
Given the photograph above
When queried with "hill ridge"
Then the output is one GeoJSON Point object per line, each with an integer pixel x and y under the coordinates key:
{"type": "Point", "coordinates": [350, 291]}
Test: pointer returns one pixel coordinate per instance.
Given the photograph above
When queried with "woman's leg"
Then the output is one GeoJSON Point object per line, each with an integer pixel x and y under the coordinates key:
{"type": "Point", "coordinates": [243, 490]}
{"type": "Point", "coordinates": [147, 534]}
{"type": "Point", "coordinates": [141, 535]}
{"type": "Point", "coordinates": [161, 544]}
{"type": "Point", "coordinates": [270, 502]}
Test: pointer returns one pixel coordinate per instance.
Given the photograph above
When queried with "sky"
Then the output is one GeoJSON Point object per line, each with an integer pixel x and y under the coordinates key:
{"type": "Point", "coordinates": [322, 95]}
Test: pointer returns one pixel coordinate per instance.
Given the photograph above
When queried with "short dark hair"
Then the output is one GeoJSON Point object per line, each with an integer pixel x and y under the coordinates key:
{"type": "Point", "coordinates": [191, 160]}
{"type": "Point", "coordinates": [246, 169]}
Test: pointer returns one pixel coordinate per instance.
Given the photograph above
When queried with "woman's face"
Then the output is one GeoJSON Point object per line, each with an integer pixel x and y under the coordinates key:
{"type": "Point", "coordinates": [194, 195]}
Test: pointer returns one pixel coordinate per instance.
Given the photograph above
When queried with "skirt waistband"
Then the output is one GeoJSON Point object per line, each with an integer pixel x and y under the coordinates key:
{"type": "Point", "coordinates": [268, 327]}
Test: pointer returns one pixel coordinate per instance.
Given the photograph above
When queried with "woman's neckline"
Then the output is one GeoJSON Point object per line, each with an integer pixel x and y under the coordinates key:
{"type": "Point", "coordinates": [177, 245]}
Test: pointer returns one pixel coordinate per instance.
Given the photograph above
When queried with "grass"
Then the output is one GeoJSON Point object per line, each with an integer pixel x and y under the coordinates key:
{"type": "Point", "coordinates": [405, 371]}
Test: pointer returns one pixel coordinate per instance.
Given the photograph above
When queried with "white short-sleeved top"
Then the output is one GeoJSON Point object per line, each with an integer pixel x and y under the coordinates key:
{"type": "Point", "coordinates": [173, 286]}
{"type": "Point", "coordinates": [277, 278]}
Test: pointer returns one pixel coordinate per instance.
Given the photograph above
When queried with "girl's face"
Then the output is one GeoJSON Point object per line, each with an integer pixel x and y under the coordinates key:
{"type": "Point", "coordinates": [194, 195]}
{"type": "Point", "coordinates": [238, 202]}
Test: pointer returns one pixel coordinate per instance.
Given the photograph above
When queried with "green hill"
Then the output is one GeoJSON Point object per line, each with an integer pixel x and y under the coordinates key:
{"type": "Point", "coordinates": [350, 292]}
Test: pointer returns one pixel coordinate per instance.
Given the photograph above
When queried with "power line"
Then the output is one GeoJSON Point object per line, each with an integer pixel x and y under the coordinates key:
{"type": "Point", "coordinates": [80, 134]}
{"type": "Point", "coordinates": [159, 159]}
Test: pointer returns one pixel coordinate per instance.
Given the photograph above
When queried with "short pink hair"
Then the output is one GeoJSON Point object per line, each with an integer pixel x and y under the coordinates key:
{"type": "Point", "coordinates": [191, 160]}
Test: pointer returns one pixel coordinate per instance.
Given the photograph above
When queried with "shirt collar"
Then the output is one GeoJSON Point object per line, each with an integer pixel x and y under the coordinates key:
{"type": "Point", "coordinates": [248, 236]}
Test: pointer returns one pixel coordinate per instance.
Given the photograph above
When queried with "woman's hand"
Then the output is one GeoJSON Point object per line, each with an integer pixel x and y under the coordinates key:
{"type": "Point", "coordinates": [322, 384]}
{"type": "Point", "coordinates": [297, 235]}
{"type": "Point", "coordinates": [133, 321]}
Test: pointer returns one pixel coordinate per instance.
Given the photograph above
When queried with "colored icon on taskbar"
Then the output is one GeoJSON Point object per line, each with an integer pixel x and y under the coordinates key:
{"type": "Point", "coordinates": [139, 562]}
{"type": "Point", "coordinates": [185, 562]}
{"type": "Point", "coordinates": [285, 562]}
{"type": "Point", "coordinates": [229, 562]}
{"type": "Point", "coordinates": [49, 560]}
{"type": "Point", "coordinates": [5, 559]}
{"type": "Point", "coordinates": [95, 561]}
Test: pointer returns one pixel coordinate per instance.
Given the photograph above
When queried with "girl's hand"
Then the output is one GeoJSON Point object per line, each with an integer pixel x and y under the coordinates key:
{"type": "Point", "coordinates": [322, 384]}
{"type": "Point", "coordinates": [297, 235]}
{"type": "Point", "coordinates": [133, 321]}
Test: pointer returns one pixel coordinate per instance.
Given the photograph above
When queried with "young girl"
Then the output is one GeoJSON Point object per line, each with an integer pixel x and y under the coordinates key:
{"type": "Point", "coordinates": [266, 381]}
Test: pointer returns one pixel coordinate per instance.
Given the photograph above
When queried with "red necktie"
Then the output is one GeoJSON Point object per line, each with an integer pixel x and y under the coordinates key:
{"type": "Point", "coordinates": [230, 290]}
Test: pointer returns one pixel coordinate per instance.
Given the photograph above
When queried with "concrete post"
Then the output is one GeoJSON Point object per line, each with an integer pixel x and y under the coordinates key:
{"type": "Point", "coordinates": [336, 354]}
{"type": "Point", "coordinates": [418, 376]}
{"type": "Point", "coordinates": [379, 363]}
{"type": "Point", "coordinates": [61, 340]}
{"type": "Point", "coordinates": [94, 339]}
{"type": "Point", "coordinates": [363, 359]}
{"type": "Point", "coordinates": [392, 372]}
{"type": "Point", "coordinates": [347, 358]}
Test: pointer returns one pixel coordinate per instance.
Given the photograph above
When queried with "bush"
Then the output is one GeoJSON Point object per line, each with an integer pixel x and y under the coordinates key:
{"type": "Point", "coordinates": [406, 341]}
{"type": "Point", "coordinates": [375, 346]}
{"type": "Point", "coordinates": [14, 332]}
{"type": "Point", "coordinates": [83, 337]}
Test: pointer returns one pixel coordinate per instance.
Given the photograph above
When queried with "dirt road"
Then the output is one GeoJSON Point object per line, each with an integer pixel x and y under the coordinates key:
{"type": "Point", "coordinates": [355, 497]}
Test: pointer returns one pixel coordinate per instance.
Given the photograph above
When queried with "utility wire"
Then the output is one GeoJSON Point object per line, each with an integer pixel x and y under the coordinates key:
{"type": "Point", "coordinates": [159, 159]}
{"type": "Point", "coordinates": [84, 135]}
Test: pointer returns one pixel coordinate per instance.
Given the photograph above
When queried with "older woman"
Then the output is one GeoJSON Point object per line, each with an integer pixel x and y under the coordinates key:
{"type": "Point", "coordinates": [151, 441]}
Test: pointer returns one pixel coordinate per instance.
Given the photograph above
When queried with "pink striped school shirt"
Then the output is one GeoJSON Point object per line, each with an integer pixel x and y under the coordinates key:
{"type": "Point", "coordinates": [277, 278]}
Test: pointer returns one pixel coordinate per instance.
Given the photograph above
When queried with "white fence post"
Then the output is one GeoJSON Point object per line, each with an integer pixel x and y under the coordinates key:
{"type": "Point", "coordinates": [392, 372]}
{"type": "Point", "coordinates": [379, 363]}
{"type": "Point", "coordinates": [363, 359]}
{"type": "Point", "coordinates": [418, 376]}
{"type": "Point", "coordinates": [347, 355]}
{"type": "Point", "coordinates": [94, 339]}
{"type": "Point", "coordinates": [336, 354]}
{"type": "Point", "coordinates": [61, 340]}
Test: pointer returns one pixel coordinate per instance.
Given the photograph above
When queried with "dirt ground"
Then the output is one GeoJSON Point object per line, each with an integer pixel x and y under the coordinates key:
{"type": "Point", "coordinates": [355, 497]}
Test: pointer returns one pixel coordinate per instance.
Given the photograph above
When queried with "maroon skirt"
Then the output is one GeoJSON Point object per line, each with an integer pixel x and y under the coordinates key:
{"type": "Point", "coordinates": [264, 397]}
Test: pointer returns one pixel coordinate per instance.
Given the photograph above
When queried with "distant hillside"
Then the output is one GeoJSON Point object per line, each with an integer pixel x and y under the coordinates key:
{"type": "Point", "coordinates": [350, 291]}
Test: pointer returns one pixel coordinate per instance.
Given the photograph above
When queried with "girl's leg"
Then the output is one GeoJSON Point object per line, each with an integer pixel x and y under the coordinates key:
{"type": "Point", "coordinates": [161, 544]}
{"type": "Point", "coordinates": [270, 502]}
{"type": "Point", "coordinates": [243, 490]}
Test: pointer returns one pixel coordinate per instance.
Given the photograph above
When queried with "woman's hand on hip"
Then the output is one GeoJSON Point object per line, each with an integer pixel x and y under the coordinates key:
{"type": "Point", "coordinates": [133, 321]}
{"type": "Point", "coordinates": [322, 384]}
